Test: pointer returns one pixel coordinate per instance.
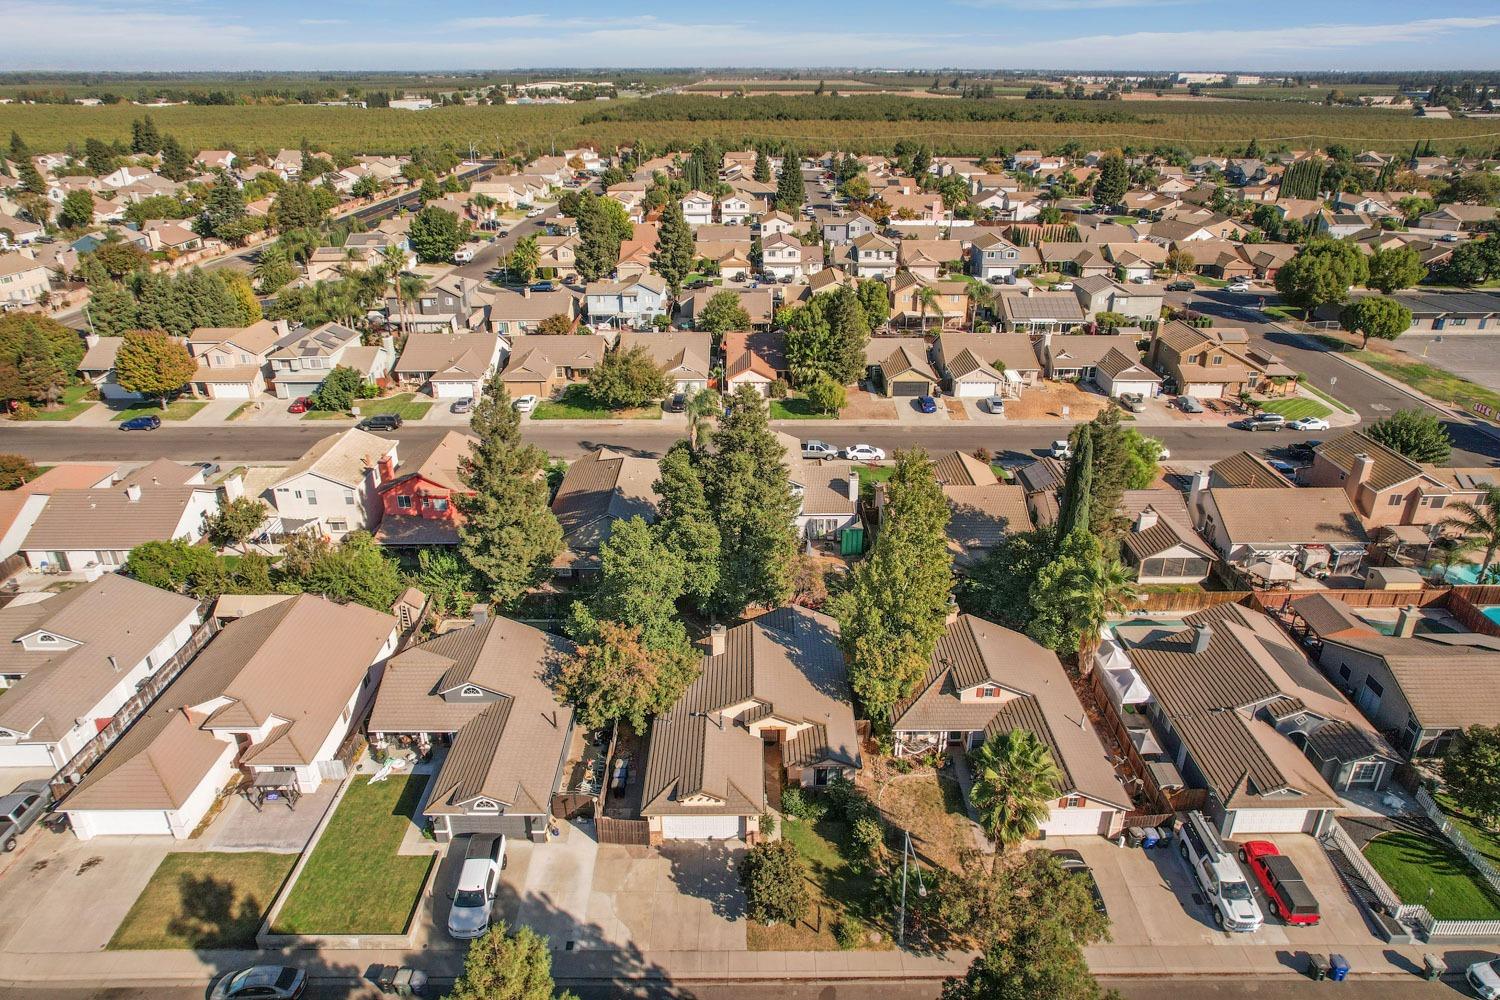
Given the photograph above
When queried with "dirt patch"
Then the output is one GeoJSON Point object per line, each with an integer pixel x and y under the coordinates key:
{"type": "Point", "coordinates": [926, 802]}
{"type": "Point", "coordinates": [1045, 401]}
{"type": "Point", "coordinates": [863, 405]}
{"type": "Point", "coordinates": [956, 409]}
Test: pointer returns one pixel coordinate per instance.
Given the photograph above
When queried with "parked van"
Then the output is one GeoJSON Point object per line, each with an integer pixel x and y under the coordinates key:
{"type": "Point", "coordinates": [1218, 875]}
{"type": "Point", "coordinates": [478, 881]}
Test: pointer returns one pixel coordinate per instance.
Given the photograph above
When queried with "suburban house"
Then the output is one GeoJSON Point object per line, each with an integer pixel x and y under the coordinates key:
{"type": "Point", "coordinates": [16, 232]}
{"type": "Point", "coordinates": [545, 366]}
{"type": "Point", "coordinates": [1422, 693]}
{"type": "Point", "coordinates": [840, 228]}
{"type": "Point", "coordinates": [982, 510]}
{"type": "Point", "coordinates": [451, 302]}
{"type": "Point", "coordinates": [232, 361]}
{"type": "Point", "coordinates": [599, 489]}
{"type": "Point", "coordinates": [759, 303]}
{"type": "Point", "coordinates": [1121, 371]}
{"type": "Point", "coordinates": [514, 314]}
{"type": "Point", "coordinates": [1160, 542]}
{"type": "Point", "coordinates": [982, 680]}
{"type": "Point", "coordinates": [1458, 218]}
{"type": "Point", "coordinates": [333, 488]}
{"type": "Point", "coordinates": [930, 259]}
{"type": "Point", "coordinates": [93, 530]}
{"type": "Point", "coordinates": [557, 256]}
{"type": "Point", "coordinates": [756, 358]}
{"type": "Point", "coordinates": [774, 223]}
{"type": "Point", "coordinates": [1246, 470]}
{"type": "Point", "coordinates": [682, 355]}
{"type": "Point", "coordinates": [1034, 312]}
{"type": "Point", "coordinates": [417, 502]}
{"type": "Point", "coordinates": [978, 365]}
{"type": "Point", "coordinates": [872, 256]}
{"type": "Point", "coordinates": [698, 208]}
{"type": "Point", "coordinates": [246, 711]}
{"type": "Point", "coordinates": [898, 366]}
{"type": "Point", "coordinates": [992, 256]}
{"type": "Point", "coordinates": [482, 692]}
{"type": "Point", "coordinates": [1216, 362]}
{"type": "Point", "coordinates": [827, 492]}
{"type": "Point", "coordinates": [1272, 537]}
{"type": "Point", "coordinates": [98, 367]}
{"type": "Point", "coordinates": [23, 281]}
{"type": "Point", "coordinates": [1237, 710]}
{"type": "Point", "coordinates": [1074, 357]}
{"type": "Point", "coordinates": [450, 365]}
{"type": "Point", "coordinates": [910, 306]}
{"type": "Point", "coordinates": [783, 257]}
{"type": "Point", "coordinates": [1451, 312]}
{"type": "Point", "coordinates": [73, 660]}
{"type": "Point", "coordinates": [632, 303]}
{"type": "Point", "coordinates": [21, 506]}
{"type": "Point", "coordinates": [1385, 487]}
{"type": "Point", "coordinates": [1140, 302]}
{"type": "Point", "coordinates": [772, 705]}
{"type": "Point", "coordinates": [301, 362]}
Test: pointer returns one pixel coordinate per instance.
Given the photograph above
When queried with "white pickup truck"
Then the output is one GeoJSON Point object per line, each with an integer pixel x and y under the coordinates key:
{"type": "Point", "coordinates": [1219, 875]}
{"type": "Point", "coordinates": [465, 253]}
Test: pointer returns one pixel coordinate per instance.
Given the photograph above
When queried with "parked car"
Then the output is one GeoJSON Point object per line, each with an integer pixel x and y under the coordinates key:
{"type": "Point", "coordinates": [677, 403]}
{"type": "Point", "coordinates": [864, 453]}
{"type": "Point", "coordinates": [478, 881]}
{"type": "Point", "coordinates": [1238, 286]}
{"type": "Point", "coordinates": [1284, 467]}
{"type": "Point", "coordinates": [462, 405]}
{"type": "Point", "coordinates": [926, 404]}
{"type": "Point", "coordinates": [22, 808]}
{"type": "Point", "coordinates": [525, 404]}
{"type": "Point", "coordinates": [1187, 404]}
{"type": "Point", "coordinates": [1135, 402]}
{"type": "Point", "coordinates": [463, 255]}
{"type": "Point", "coordinates": [1257, 424]}
{"type": "Point", "coordinates": [1484, 979]}
{"type": "Point", "coordinates": [1308, 424]}
{"type": "Point", "coordinates": [1215, 871]}
{"type": "Point", "coordinates": [1180, 285]}
{"type": "Point", "coordinates": [271, 982]}
{"type": "Point", "coordinates": [995, 405]}
{"type": "Point", "coordinates": [1302, 451]}
{"type": "Point", "coordinates": [1073, 863]}
{"type": "Point", "coordinates": [1061, 450]}
{"type": "Point", "coordinates": [1063, 286]}
{"type": "Point", "coordinates": [819, 450]}
{"type": "Point", "coordinates": [535, 212]}
{"type": "Point", "coordinates": [299, 405]}
{"type": "Point", "coordinates": [382, 422]}
{"type": "Point", "coordinates": [146, 423]}
{"type": "Point", "coordinates": [209, 468]}
{"type": "Point", "coordinates": [1284, 886]}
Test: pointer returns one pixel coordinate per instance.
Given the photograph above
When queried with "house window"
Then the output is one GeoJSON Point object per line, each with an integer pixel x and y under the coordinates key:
{"type": "Point", "coordinates": [1218, 359]}
{"type": "Point", "coordinates": [44, 637]}
{"type": "Point", "coordinates": [470, 691]}
{"type": "Point", "coordinates": [349, 497]}
{"type": "Point", "coordinates": [440, 504]}
{"type": "Point", "coordinates": [312, 498]}
{"type": "Point", "coordinates": [1071, 802]}
{"type": "Point", "coordinates": [1396, 500]}
{"type": "Point", "coordinates": [338, 526]}
{"type": "Point", "coordinates": [485, 806]}
{"type": "Point", "coordinates": [403, 502]}
{"type": "Point", "coordinates": [1438, 502]}
{"type": "Point", "coordinates": [1365, 772]}
{"type": "Point", "coordinates": [1344, 672]}
{"type": "Point", "coordinates": [822, 775]}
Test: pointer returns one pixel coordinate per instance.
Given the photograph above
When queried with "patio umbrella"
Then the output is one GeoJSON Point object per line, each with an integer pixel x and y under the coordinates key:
{"type": "Point", "coordinates": [1272, 570]}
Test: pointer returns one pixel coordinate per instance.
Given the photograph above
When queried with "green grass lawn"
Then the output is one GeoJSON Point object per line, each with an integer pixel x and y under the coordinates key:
{"type": "Point", "coordinates": [1412, 864]}
{"type": "Point", "coordinates": [204, 900]}
{"type": "Point", "coordinates": [1204, 279]}
{"type": "Point", "coordinates": [355, 883]}
{"type": "Point", "coordinates": [1485, 840]}
{"type": "Point", "coordinates": [576, 404]}
{"type": "Point", "coordinates": [1429, 379]}
{"type": "Point", "coordinates": [1296, 408]}
{"type": "Point", "coordinates": [74, 401]}
{"type": "Point", "coordinates": [1331, 401]}
{"type": "Point", "coordinates": [835, 889]}
{"type": "Point", "coordinates": [405, 404]}
{"type": "Point", "coordinates": [241, 410]}
{"type": "Point", "coordinates": [869, 475]}
{"type": "Point", "coordinates": [178, 409]}
{"type": "Point", "coordinates": [797, 408]}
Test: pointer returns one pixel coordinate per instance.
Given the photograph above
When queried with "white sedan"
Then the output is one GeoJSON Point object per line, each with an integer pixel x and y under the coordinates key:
{"type": "Point", "coordinates": [1239, 286]}
{"type": "Point", "coordinates": [864, 453]}
{"type": "Point", "coordinates": [1308, 424]}
{"type": "Point", "coordinates": [525, 404]}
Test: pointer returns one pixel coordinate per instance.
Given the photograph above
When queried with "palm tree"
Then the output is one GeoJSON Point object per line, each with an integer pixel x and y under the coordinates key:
{"type": "Point", "coordinates": [983, 296]}
{"type": "Point", "coordinates": [1481, 522]}
{"type": "Point", "coordinates": [703, 407]}
{"type": "Point", "coordinates": [927, 298]}
{"type": "Point", "coordinates": [1015, 780]}
{"type": "Point", "coordinates": [408, 288]}
{"type": "Point", "coordinates": [392, 262]}
{"type": "Point", "coordinates": [1107, 589]}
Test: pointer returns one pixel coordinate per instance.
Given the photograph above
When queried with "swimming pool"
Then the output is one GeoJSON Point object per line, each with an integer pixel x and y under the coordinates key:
{"type": "Point", "coordinates": [1492, 613]}
{"type": "Point", "coordinates": [1466, 573]}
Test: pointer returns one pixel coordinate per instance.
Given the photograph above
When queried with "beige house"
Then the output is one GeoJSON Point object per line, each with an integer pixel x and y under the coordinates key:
{"type": "Point", "coordinates": [233, 361]}
{"type": "Point", "coordinates": [333, 488]}
{"type": "Point", "coordinates": [599, 489]}
{"type": "Point", "coordinates": [23, 281]}
{"type": "Point", "coordinates": [545, 366]}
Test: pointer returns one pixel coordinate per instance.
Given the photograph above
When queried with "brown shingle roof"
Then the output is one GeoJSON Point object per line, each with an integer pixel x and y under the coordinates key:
{"type": "Point", "coordinates": [981, 516]}
{"type": "Point", "coordinates": [1244, 470]}
{"type": "Point", "coordinates": [1447, 687]}
{"type": "Point", "coordinates": [1300, 516]}
{"type": "Point", "coordinates": [954, 468]}
{"type": "Point", "coordinates": [597, 490]}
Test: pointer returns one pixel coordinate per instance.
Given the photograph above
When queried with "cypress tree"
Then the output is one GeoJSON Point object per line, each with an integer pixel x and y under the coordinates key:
{"type": "Point", "coordinates": [762, 166]}
{"type": "Point", "coordinates": [673, 258]}
{"type": "Point", "coordinates": [790, 192]}
{"type": "Point", "coordinates": [1077, 488]}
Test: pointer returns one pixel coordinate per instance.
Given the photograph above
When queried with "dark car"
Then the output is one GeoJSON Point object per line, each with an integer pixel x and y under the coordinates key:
{"type": "Point", "coordinates": [381, 422]}
{"type": "Point", "coordinates": [677, 403]}
{"type": "Point", "coordinates": [926, 404]}
{"type": "Point", "coordinates": [146, 423]}
{"type": "Point", "coordinates": [21, 808]}
{"type": "Point", "coordinates": [1180, 285]}
{"type": "Point", "coordinates": [1291, 899]}
{"type": "Point", "coordinates": [1073, 863]}
{"type": "Point", "coordinates": [1302, 451]}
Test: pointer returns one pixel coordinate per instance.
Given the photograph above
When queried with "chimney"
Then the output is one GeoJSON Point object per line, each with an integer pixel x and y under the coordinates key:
{"type": "Point", "coordinates": [480, 613]}
{"type": "Point", "coordinates": [1363, 466]}
{"type": "Point", "coordinates": [1196, 486]}
{"type": "Point", "coordinates": [387, 468]}
{"type": "Point", "coordinates": [1406, 622]}
{"type": "Point", "coordinates": [1046, 344]}
{"type": "Point", "coordinates": [717, 639]}
{"type": "Point", "coordinates": [1202, 634]}
{"type": "Point", "coordinates": [854, 485]}
{"type": "Point", "coordinates": [1146, 519]}
{"type": "Point", "coordinates": [133, 492]}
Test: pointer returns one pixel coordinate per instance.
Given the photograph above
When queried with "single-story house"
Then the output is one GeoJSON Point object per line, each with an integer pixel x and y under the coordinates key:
{"type": "Point", "coordinates": [599, 489]}
{"type": "Point", "coordinates": [1160, 541]}
{"type": "Point", "coordinates": [756, 358]}
{"type": "Point", "coordinates": [450, 365]}
{"type": "Point", "coordinates": [545, 366]}
{"type": "Point", "coordinates": [682, 355]}
{"type": "Point", "coordinates": [898, 366]}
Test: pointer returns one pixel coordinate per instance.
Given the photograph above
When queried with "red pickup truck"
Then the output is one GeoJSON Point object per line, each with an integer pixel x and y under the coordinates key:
{"type": "Point", "coordinates": [1290, 898]}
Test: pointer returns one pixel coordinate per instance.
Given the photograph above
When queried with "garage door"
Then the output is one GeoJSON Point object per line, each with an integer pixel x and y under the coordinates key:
{"type": "Point", "coordinates": [26, 755]}
{"type": "Point", "coordinates": [977, 390]}
{"type": "Point", "coordinates": [702, 827]}
{"type": "Point", "coordinates": [1074, 822]}
{"type": "Point", "coordinates": [229, 390]}
{"type": "Point", "coordinates": [454, 390]}
{"type": "Point", "coordinates": [909, 388]}
{"type": "Point", "coordinates": [1269, 821]}
{"type": "Point", "coordinates": [123, 823]}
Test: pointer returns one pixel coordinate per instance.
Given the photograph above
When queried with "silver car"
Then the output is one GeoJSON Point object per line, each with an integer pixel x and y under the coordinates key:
{"type": "Point", "coordinates": [21, 809]}
{"type": "Point", "coordinates": [274, 982]}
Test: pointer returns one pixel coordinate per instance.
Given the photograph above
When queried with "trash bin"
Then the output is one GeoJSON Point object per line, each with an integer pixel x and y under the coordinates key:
{"type": "Point", "coordinates": [1432, 966]}
{"type": "Point", "coordinates": [1338, 968]}
{"type": "Point", "coordinates": [1317, 968]}
{"type": "Point", "coordinates": [385, 978]}
{"type": "Point", "coordinates": [1150, 837]}
{"type": "Point", "coordinates": [403, 982]}
{"type": "Point", "coordinates": [1134, 836]}
{"type": "Point", "coordinates": [418, 983]}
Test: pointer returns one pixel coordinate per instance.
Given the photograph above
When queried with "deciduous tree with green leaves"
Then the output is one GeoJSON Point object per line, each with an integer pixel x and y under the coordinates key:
{"type": "Point", "coordinates": [1375, 316]}
{"type": "Point", "coordinates": [627, 378]}
{"type": "Point", "coordinates": [16, 470]}
{"type": "Point", "coordinates": [77, 211]}
{"type": "Point", "coordinates": [724, 311]}
{"type": "Point", "coordinates": [773, 877]}
{"type": "Point", "coordinates": [1471, 773]}
{"type": "Point", "coordinates": [1395, 268]}
{"type": "Point", "coordinates": [436, 234]}
{"type": "Point", "coordinates": [153, 364]}
{"type": "Point", "coordinates": [235, 521]}
{"type": "Point", "coordinates": [504, 966]}
{"type": "Point", "coordinates": [1322, 273]}
{"type": "Point", "coordinates": [1418, 435]}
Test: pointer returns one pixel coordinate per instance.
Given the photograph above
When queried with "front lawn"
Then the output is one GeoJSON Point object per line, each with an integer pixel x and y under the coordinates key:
{"type": "Point", "coordinates": [1412, 865]}
{"type": "Point", "coordinates": [1296, 408]}
{"type": "Point", "coordinates": [75, 399]}
{"type": "Point", "coordinates": [204, 900]}
{"type": "Point", "coordinates": [797, 408]}
{"type": "Point", "coordinates": [405, 404]}
{"type": "Point", "coordinates": [355, 883]}
{"type": "Point", "coordinates": [1337, 404]}
{"type": "Point", "coordinates": [1483, 839]}
{"type": "Point", "coordinates": [576, 404]}
{"type": "Point", "coordinates": [835, 890]}
{"type": "Point", "coordinates": [178, 409]}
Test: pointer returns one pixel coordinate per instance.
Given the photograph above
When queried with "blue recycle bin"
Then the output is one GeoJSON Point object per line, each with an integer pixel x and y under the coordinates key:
{"type": "Point", "coordinates": [1338, 969]}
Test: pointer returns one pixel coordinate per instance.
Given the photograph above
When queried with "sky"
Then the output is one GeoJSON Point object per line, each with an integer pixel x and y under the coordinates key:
{"type": "Point", "coordinates": [1008, 34]}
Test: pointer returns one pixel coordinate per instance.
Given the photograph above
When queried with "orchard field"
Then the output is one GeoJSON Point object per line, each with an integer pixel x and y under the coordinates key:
{"type": "Point", "coordinates": [856, 123]}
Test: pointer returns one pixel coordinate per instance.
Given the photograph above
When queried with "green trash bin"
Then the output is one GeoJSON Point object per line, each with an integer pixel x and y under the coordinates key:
{"type": "Point", "coordinates": [1317, 967]}
{"type": "Point", "coordinates": [1432, 967]}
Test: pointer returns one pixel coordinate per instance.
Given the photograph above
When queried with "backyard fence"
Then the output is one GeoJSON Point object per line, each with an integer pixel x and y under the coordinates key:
{"type": "Point", "coordinates": [1457, 839]}
{"type": "Point", "coordinates": [622, 831]}
{"type": "Point", "coordinates": [1465, 607]}
{"type": "Point", "coordinates": [1337, 839]}
{"type": "Point", "coordinates": [1189, 600]}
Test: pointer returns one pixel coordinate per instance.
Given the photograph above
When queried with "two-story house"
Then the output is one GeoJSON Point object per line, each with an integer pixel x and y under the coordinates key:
{"type": "Point", "coordinates": [1215, 362]}
{"type": "Point", "coordinates": [947, 307]}
{"type": "Point", "coordinates": [840, 228]}
{"type": "Point", "coordinates": [418, 500]}
{"type": "Point", "coordinates": [333, 488]}
{"type": "Point", "coordinates": [1140, 302]}
{"type": "Point", "coordinates": [1388, 489]}
{"type": "Point", "coordinates": [873, 256]}
{"type": "Point", "coordinates": [302, 360]}
{"type": "Point", "coordinates": [24, 281]}
{"type": "Point", "coordinates": [233, 361]}
{"type": "Point", "coordinates": [452, 302]}
{"type": "Point", "coordinates": [783, 257]}
{"type": "Point", "coordinates": [632, 303]}
{"type": "Point", "coordinates": [698, 208]}
{"type": "Point", "coordinates": [515, 314]}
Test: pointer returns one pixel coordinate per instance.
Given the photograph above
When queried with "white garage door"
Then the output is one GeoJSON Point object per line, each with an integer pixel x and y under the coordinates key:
{"type": "Point", "coordinates": [26, 755]}
{"type": "Point", "coordinates": [1074, 822]}
{"type": "Point", "coordinates": [454, 390]}
{"type": "Point", "coordinates": [122, 823]}
{"type": "Point", "coordinates": [229, 390]}
{"type": "Point", "coordinates": [1268, 821]}
{"type": "Point", "coordinates": [976, 390]}
{"type": "Point", "coordinates": [702, 827]}
{"type": "Point", "coordinates": [1144, 388]}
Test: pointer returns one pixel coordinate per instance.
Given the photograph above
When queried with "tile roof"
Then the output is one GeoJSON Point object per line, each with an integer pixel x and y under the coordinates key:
{"type": "Point", "coordinates": [342, 457]}
{"type": "Point", "coordinates": [680, 353]}
{"type": "Point", "coordinates": [955, 468]}
{"type": "Point", "coordinates": [603, 487]}
{"type": "Point", "coordinates": [1390, 469]}
{"type": "Point", "coordinates": [1303, 516]}
{"type": "Point", "coordinates": [319, 342]}
{"type": "Point", "coordinates": [1042, 305]}
{"type": "Point", "coordinates": [1447, 687]}
{"type": "Point", "coordinates": [1174, 525]}
{"type": "Point", "coordinates": [1246, 470]}
{"type": "Point", "coordinates": [980, 517]}
{"type": "Point", "coordinates": [1327, 615]}
{"type": "Point", "coordinates": [535, 358]}
{"type": "Point", "coordinates": [107, 519]}
{"type": "Point", "coordinates": [454, 356]}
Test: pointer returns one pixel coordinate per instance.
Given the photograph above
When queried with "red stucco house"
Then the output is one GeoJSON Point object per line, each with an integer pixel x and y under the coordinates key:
{"type": "Point", "coordinates": [417, 501]}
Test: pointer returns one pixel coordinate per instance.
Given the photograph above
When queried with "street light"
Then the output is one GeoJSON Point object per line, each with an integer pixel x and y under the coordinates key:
{"type": "Point", "coordinates": [907, 854]}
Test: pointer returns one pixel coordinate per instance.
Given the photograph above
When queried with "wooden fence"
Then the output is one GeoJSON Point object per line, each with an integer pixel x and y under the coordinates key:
{"type": "Point", "coordinates": [1466, 610]}
{"type": "Point", "coordinates": [622, 831]}
{"type": "Point", "coordinates": [1177, 800]}
{"type": "Point", "coordinates": [1190, 600]}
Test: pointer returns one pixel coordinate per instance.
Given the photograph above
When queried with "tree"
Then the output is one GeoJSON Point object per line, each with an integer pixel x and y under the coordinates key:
{"type": "Point", "coordinates": [172, 565]}
{"type": "Point", "coordinates": [1077, 489]}
{"type": "Point", "coordinates": [509, 534]}
{"type": "Point", "coordinates": [298, 206]}
{"type": "Point", "coordinates": [153, 364]}
{"type": "Point", "coordinates": [1375, 316]}
{"type": "Point", "coordinates": [1039, 959]}
{"type": "Point", "coordinates": [273, 269]}
{"type": "Point", "coordinates": [445, 579]}
{"type": "Point", "coordinates": [338, 391]}
{"type": "Point", "coordinates": [1015, 781]}
{"type": "Point", "coordinates": [16, 470]}
{"type": "Point", "coordinates": [875, 298]}
{"type": "Point", "coordinates": [558, 324]}
{"type": "Point", "coordinates": [773, 877]}
{"type": "Point", "coordinates": [602, 226]}
{"type": "Point", "coordinates": [525, 259]}
{"type": "Point", "coordinates": [1110, 466]}
{"type": "Point", "coordinates": [235, 522]}
{"type": "Point", "coordinates": [894, 609]}
{"type": "Point", "coordinates": [723, 312]}
{"type": "Point", "coordinates": [100, 156]}
{"type": "Point", "coordinates": [1473, 262]}
{"type": "Point", "coordinates": [673, 257]}
{"type": "Point", "coordinates": [1113, 182]}
{"type": "Point", "coordinates": [613, 676]}
{"type": "Point", "coordinates": [77, 210]}
{"type": "Point", "coordinates": [39, 376]}
{"type": "Point", "coordinates": [825, 395]}
{"type": "Point", "coordinates": [1471, 773]}
{"type": "Point", "coordinates": [998, 589]}
{"type": "Point", "coordinates": [1180, 261]}
{"type": "Point", "coordinates": [1414, 433]}
{"type": "Point", "coordinates": [56, 347]}
{"type": "Point", "coordinates": [144, 138]}
{"type": "Point", "coordinates": [762, 172]}
{"type": "Point", "coordinates": [504, 966]}
{"type": "Point", "coordinates": [223, 210]}
{"type": "Point", "coordinates": [435, 235]}
{"type": "Point", "coordinates": [1479, 522]}
{"type": "Point", "coordinates": [176, 164]}
{"type": "Point", "coordinates": [627, 378]}
{"type": "Point", "coordinates": [1395, 268]}
{"type": "Point", "coordinates": [687, 526]}
{"type": "Point", "coordinates": [790, 190]}
{"type": "Point", "coordinates": [111, 309]}
{"type": "Point", "coordinates": [116, 258]}
{"type": "Point", "coordinates": [356, 569]}
{"type": "Point", "coordinates": [1142, 458]}
{"type": "Point", "coordinates": [1322, 273]}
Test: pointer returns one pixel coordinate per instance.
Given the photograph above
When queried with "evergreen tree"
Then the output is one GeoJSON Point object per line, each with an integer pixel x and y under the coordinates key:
{"type": "Point", "coordinates": [687, 526]}
{"type": "Point", "coordinates": [1109, 472]}
{"type": "Point", "coordinates": [790, 190]}
{"type": "Point", "coordinates": [40, 377]}
{"type": "Point", "coordinates": [110, 310]}
{"type": "Point", "coordinates": [222, 209]}
{"type": "Point", "coordinates": [176, 164]}
{"type": "Point", "coordinates": [509, 534]}
{"type": "Point", "coordinates": [19, 151]}
{"type": "Point", "coordinates": [1113, 182]}
{"type": "Point", "coordinates": [435, 235]}
{"type": "Point", "coordinates": [893, 611]}
{"type": "Point", "coordinates": [31, 179]}
{"type": "Point", "coordinates": [144, 137]}
{"type": "Point", "coordinates": [850, 333]}
{"type": "Point", "coordinates": [673, 259]}
{"type": "Point", "coordinates": [1077, 489]}
{"type": "Point", "coordinates": [100, 157]}
{"type": "Point", "coordinates": [77, 210]}
{"type": "Point", "coordinates": [762, 172]}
